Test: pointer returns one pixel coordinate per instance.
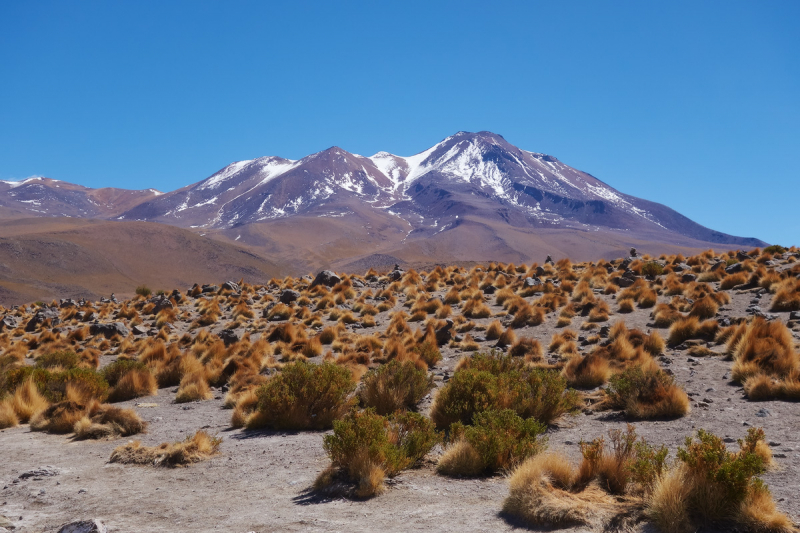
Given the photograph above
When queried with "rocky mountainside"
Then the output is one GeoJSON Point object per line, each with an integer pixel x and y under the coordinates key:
{"type": "Point", "coordinates": [52, 198]}
{"type": "Point", "coordinates": [471, 197]}
{"type": "Point", "coordinates": [477, 174]}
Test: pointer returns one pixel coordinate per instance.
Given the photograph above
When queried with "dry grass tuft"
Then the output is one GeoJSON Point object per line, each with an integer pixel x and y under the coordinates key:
{"type": "Point", "coordinates": [460, 459]}
{"type": "Point", "coordinates": [27, 401]}
{"type": "Point", "coordinates": [199, 447]}
{"type": "Point", "coordinates": [135, 383]}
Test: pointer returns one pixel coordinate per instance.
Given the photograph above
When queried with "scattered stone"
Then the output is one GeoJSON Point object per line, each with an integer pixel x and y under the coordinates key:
{"type": "Point", "coordinates": [43, 314]}
{"type": "Point", "coordinates": [228, 336]}
{"type": "Point", "coordinates": [230, 286]}
{"type": "Point", "coordinates": [763, 412]}
{"type": "Point", "coordinates": [734, 268]}
{"type": "Point", "coordinates": [688, 278]}
{"type": "Point", "coordinates": [84, 526]}
{"type": "Point", "coordinates": [42, 471]}
{"type": "Point", "coordinates": [138, 330]}
{"type": "Point", "coordinates": [161, 302]}
{"type": "Point", "coordinates": [327, 278]}
{"type": "Point", "coordinates": [288, 296]}
{"type": "Point", "coordinates": [490, 289]}
{"type": "Point", "coordinates": [205, 289]}
{"type": "Point", "coordinates": [109, 330]}
{"type": "Point", "coordinates": [8, 322]}
{"type": "Point", "coordinates": [445, 333]}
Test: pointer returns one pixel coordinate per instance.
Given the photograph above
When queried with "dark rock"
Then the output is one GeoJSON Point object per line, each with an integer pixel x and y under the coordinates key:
{"type": "Point", "coordinates": [680, 267]}
{"type": "Point", "coordinates": [137, 330]}
{"type": "Point", "coordinates": [741, 256]}
{"type": "Point", "coordinates": [42, 314]}
{"type": "Point", "coordinates": [84, 526]}
{"type": "Point", "coordinates": [539, 271]}
{"type": "Point", "coordinates": [209, 288]}
{"type": "Point", "coordinates": [230, 286]}
{"type": "Point", "coordinates": [444, 333]}
{"type": "Point", "coordinates": [794, 315]}
{"type": "Point", "coordinates": [8, 322]}
{"type": "Point", "coordinates": [109, 330]}
{"type": "Point", "coordinates": [734, 268]}
{"type": "Point", "coordinates": [69, 302]}
{"type": "Point", "coordinates": [176, 295]}
{"type": "Point", "coordinates": [42, 471]}
{"type": "Point", "coordinates": [327, 278]}
{"type": "Point", "coordinates": [633, 253]}
{"type": "Point", "coordinates": [763, 412]}
{"type": "Point", "coordinates": [161, 302]}
{"type": "Point", "coordinates": [396, 274]}
{"type": "Point", "coordinates": [549, 261]}
{"type": "Point", "coordinates": [604, 330]}
{"type": "Point", "coordinates": [490, 289]}
{"type": "Point", "coordinates": [688, 278]}
{"type": "Point", "coordinates": [228, 336]}
{"type": "Point", "coordinates": [288, 296]}
{"type": "Point", "coordinates": [531, 282]}
{"type": "Point", "coordinates": [357, 283]}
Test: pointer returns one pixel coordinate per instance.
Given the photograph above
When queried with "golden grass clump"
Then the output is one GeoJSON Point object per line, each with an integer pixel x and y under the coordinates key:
{"type": "Point", "coordinates": [199, 447]}
{"type": "Point", "coordinates": [193, 387]}
{"type": "Point", "coordinates": [135, 383]}
{"type": "Point", "coordinates": [105, 421]}
{"type": "Point", "coordinates": [460, 459]}
{"type": "Point", "coordinates": [625, 305]}
{"type": "Point", "coordinates": [27, 401]}
{"type": "Point", "coordinates": [8, 417]}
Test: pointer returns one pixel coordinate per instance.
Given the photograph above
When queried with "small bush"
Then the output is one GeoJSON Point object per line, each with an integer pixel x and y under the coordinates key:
{"type": "Point", "coordinates": [495, 382]}
{"type": "Point", "coordinates": [652, 269]}
{"type": "Point", "coordinates": [114, 371]}
{"type": "Point", "coordinates": [143, 290]}
{"type": "Point", "coordinates": [53, 385]}
{"type": "Point", "coordinates": [645, 394]}
{"type": "Point", "coordinates": [304, 396]}
{"type": "Point", "coordinates": [63, 360]}
{"type": "Point", "coordinates": [365, 446]}
{"type": "Point", "coordinates": [395, 385]}
{"type": "Point", "coordinates": [501, 439]}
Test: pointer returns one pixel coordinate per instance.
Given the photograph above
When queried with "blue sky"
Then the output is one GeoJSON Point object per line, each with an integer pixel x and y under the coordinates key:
{"type": "Point", "coordinates": [692, 104]}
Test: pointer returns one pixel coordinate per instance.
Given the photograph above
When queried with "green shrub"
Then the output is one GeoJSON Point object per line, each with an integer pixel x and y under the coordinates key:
{"type": "Point", "coordinates": [498, 381]}
{"type": "Point", "coordinates": [53, 385]}
{"type": "Point", "coordinates": [114, 372]}
{"type": "Point", "coordinates": [304, 396]}
{"type": "Point", "coordinates": [64, 360]}
{"type": "Point", "coordinates": [652, 269]}
{"type": "Point", "coordinates": [143, 290]}
{"type": "Point", "coordinates": [502, 438]}
{"type": "Point", "coordinates": [365, 446]}
{"type": "Point", "coordinates": [731, 475]}
{"type": "Point", "coordinates": [774, 249]}
{"type": "Point", "coordinates": [395, 385]}
{"type": "Point", "coordinates": [646, 394]}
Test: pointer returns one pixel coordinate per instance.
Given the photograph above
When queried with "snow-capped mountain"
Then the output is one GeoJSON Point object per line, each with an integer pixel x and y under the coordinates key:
{"type": "Point", "coordinates": [40, 196]}
{"type": "Point", "coordinates": [467, 174]}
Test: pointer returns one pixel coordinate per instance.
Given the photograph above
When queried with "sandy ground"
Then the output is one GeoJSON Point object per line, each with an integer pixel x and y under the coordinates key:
{"type": "Point", "coordinates": [260, 480]}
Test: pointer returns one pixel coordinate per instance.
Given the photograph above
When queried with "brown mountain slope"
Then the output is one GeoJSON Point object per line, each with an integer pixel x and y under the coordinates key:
{"type": "Point", "coordinates": [42, 259]}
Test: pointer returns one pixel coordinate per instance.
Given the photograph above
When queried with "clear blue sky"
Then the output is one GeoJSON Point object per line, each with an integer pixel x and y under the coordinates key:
{"type": "Point", "coordinates": [692, 104]}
